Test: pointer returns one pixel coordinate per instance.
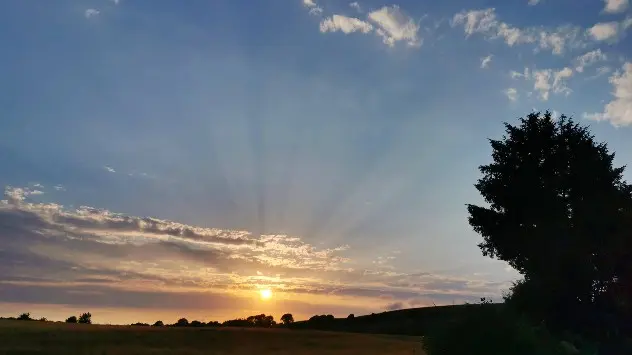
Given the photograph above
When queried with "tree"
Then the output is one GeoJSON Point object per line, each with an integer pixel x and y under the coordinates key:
{"type": "Point", "coordinates": [71, 319]}
{"type": "Point", "coordinates": [159, 323]}
{"type": "Point", "coordinates": [351, 316]}
{"type": "Point", "coordinates": [85, 318]}
{"type": "Point", "coordinates": [559, 213]}
{"type": "Point", "coordinates": [24, 316]}
{"type": "Point", "coordinates": [196, 323]}
{"type": "Point", "coordinates": [261, 320]}
{"type": "Point", "coordinates": [287, 319]}
{"type": "Point", "coordinates": [182, 322]}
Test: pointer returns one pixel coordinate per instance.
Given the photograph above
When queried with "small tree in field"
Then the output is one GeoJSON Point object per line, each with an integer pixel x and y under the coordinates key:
{"type": "Point", "coordinates": [559, 213]}
{"type": "Point", "coordinates": [287, 318]}
{"type": "Point", "coordinates": [182, 322]}
{"type": "Point", "coordinates": [85, 318]}
{"type": "Point", "coordinates": [24, 316]}
{"type": "Point", "coordinates": [159, 324]}
{"type": "Point", "coordinates": [71, 319]}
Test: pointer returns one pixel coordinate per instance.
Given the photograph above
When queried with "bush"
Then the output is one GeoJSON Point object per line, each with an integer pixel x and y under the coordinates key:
{"type": "Point", "coordinates": [491, 330]}
{"type": "Point", "coordinates": [71, 319]}
{"type": "Point", "coordinates": [85, 318]}
{"type": "Point", "coordinates": [196, 323]}
{"type": "Point", "coordinates": [25, 316]}
{"type": "Point", "coordinates": [213, 323]}
{"type": "Point", "coordinates": [139, 324]}
{"type": "Point", "coordinates": [159, 323]}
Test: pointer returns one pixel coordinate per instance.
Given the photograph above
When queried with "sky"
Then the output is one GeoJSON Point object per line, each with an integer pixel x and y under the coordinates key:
{"type": "Point", "coordinates": [162, 159]}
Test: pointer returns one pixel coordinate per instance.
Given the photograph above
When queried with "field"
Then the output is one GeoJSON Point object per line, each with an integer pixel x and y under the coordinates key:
{"type": "Point", "coordinates": [33, 337]}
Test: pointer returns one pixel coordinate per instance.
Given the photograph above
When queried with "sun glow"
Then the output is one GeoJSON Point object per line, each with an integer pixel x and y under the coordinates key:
{"type": "Point", "coordinates": [265, 294]}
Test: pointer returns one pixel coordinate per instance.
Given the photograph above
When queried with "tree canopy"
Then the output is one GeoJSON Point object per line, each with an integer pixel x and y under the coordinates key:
{"type": "Point", "coordinates": [287, 318]}
{"type": "Point", "coordinates": [558, 212]}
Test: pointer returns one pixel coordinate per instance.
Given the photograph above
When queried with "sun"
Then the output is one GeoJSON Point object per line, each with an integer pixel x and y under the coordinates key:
{"type": "Point", "coordinates": [265, 294]}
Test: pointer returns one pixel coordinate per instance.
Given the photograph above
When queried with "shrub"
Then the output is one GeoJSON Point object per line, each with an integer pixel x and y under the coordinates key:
{"type": "Point", "coordinates": [85, 318]}
{"type": "Point", "coordinates": [25, 316]}
{"type": "Point", "coordinates": [71, 319]}
{"type": "Point", "coordinates": [490, 330]}
{"type": "Point", "coordinates": [196, 323]}
{"type": "Point", "coordinates": [159, 323]}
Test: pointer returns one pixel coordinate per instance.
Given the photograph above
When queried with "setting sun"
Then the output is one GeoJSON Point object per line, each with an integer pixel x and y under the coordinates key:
{"type": "Point", "coordinates": [265, 294]}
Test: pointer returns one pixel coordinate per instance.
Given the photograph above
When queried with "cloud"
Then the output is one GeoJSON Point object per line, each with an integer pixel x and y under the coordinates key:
{"type": "Point", "coordinates": [344, 24]}
{"type": "Point", "coordinates": [356, 6]}
{"type": "Point", "coordinates": [393, 26]}
{"type": "Point", "coordinates": [59, 188]}
{"type": "Point", "coordinates": [19, 194]}
{"type": "Point", "coordinates": [91, 13]}
{"type": "Point", "coordinates": [314, 9]}
{"type": "Point", "coordinates": [615, 6]}
{"type": "Point", "coordinates": [514, 74]}
{"type": "Point", "coordinates": [618, 111]}
{"type": "Point", "coordinates": [486, 60]}
{"type": "Point", "coordinates": [512, 94]}
{"type": "Point", "coordinates": [48, 249]}
{"type": "Point", "coordinates": [116, 2]}
{"type": "Point", "coordinates": [534, 2]}
{"type": "Point", "coordinates": [542, 82]}
{"type": "Point", "coordinates": [605, 31]}
{"type": "Point", "coordinates": [109, 169]}
{"type": "Point", "coordinates": [546, 80]}
{"type": "Point", "coordinates": [485, 22]}
{"type": "Point", "coordinates": [589, 59]}
{"type": "Point", "coordinates": [602, 71]}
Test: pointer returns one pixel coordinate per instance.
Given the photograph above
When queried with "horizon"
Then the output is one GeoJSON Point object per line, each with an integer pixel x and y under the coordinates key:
{"type": "Point", "coordinates": [165, 160]}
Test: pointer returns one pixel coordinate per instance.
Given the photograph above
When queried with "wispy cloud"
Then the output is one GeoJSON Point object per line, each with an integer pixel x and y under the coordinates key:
{"type": "Point", "coordinates": [314, 9]}
{"type": "Point", "coordinates": [512, 94]}
{"type": "Point", "coordinates": [109, 169]}
{"type": "Point", "coordinates": [619, 110]}
{"type": "Point", "coordinates": [486, 23]}
{"type": "Point", "coordinates": [389, 22]}
{"type": "Point", "coordinates": [344, 24]}
{"type": "Point", "coordinates": [615, 6]}
{"type": "Point", "coordinates": [546, 81]}
{"type": "Point", "coordinates": [588, 59]}
{"type": "Point", "coordinates": [393, 26]}
{"type": "Point", "coordinates": [533, 2]}
{"type": "Point", "coordinates": [89, 13]}
{"type": "Point", "coordinates": [485, 61]}
{"type": "Point", "coordinates": [355, 5]}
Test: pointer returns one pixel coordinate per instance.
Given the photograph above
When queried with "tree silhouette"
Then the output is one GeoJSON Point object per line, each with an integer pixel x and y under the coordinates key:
{"type": "Point", "coordinates": [159, 323]}
{"type": "Point", "coordinates": [559, 213]}
{"type": "Point", "coordinates": [85, 318]}
{"type": "Point", "coordinates": [196, 323]}
{"type": "Point", "coordinates": [24, 316]}
{"type": "Point", "coordinates": [287, 318]}
{"type": "Point", "coordinates": [182, 322]}
{"type": "Point", "coordinates": [71, 319]}
{"type": "Point", "coordinates": [261, 320]}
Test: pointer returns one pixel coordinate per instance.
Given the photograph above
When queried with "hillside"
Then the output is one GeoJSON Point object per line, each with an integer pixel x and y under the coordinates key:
{"type": "Point", "coordinates": [412, 321]}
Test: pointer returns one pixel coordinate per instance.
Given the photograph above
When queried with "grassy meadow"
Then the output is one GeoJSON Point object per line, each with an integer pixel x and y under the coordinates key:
{"type": "Point", "coordinates": [34, 337]}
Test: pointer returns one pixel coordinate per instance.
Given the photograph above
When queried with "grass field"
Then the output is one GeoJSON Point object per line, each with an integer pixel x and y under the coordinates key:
{"type": "Point", "coordinates": [33, 337]}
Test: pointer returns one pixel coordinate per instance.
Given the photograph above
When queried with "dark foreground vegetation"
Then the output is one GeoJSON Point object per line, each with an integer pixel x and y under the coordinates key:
{"type": "Point", "coordinates": [560, 213]}
{"type": "Point", "coordinates": [80, 339]}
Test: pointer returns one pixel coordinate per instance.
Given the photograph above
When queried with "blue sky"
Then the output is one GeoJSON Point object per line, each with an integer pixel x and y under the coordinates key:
{"type": "Point", "coordinates": [322, 149]}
